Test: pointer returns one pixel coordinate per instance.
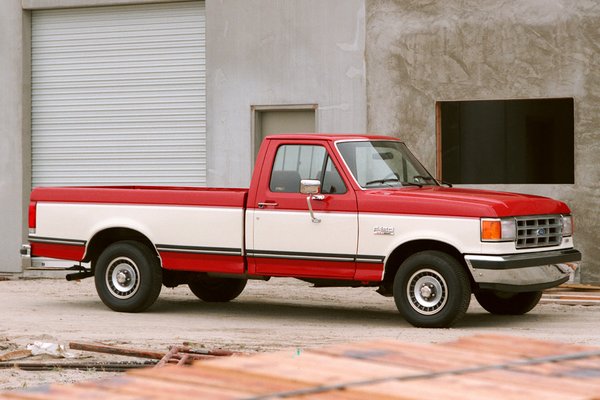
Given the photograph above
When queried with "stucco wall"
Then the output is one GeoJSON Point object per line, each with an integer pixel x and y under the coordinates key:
{"type": "Point", "coordinates": [418, 53]}
{"type": "Point", "coordinates": [12, 145]}
{"type": "Point", "coordinates": [275, 52]}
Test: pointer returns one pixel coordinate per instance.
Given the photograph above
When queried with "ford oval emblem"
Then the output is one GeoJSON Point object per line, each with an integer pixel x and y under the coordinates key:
{"type": "Point", "coordinates": [541, 232]}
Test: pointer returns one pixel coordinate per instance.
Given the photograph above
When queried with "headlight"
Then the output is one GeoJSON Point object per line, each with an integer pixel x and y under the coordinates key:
{"type": "Point", "coordinates": [498, 229]}
{"type": "Point", "coordinates": [567, 225]}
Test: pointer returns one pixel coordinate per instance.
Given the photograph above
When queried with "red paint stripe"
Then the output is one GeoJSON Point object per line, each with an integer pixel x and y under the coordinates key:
{"type": "Point", "coordinates": [367, 272]}
{"type": "Point", "coordinates": [304, 268]}
{"type": "Point", "coordinates": [210, 197]}
{"type": "Point", "coordinates": [60, 251]}
{"type": "Point", "coordinates": [202, 262]}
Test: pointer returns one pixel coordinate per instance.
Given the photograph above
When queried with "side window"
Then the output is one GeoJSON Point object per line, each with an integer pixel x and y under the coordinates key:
{"type": "Point", "coordinates": [296, 162]}
{"type": "Point", "coordinates": [332, 182]}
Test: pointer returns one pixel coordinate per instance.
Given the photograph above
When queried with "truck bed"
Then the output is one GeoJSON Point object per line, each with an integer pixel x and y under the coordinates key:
{"type": "Point", "coordinates": [192, 229]}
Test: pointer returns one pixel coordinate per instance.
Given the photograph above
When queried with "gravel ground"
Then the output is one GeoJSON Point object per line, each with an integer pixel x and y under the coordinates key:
{"type": "Point", "coordinates": [281, 313]}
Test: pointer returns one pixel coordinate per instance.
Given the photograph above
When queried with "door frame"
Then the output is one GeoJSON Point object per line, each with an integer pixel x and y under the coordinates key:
{"type": "Point", "coordinates": [255, 110]}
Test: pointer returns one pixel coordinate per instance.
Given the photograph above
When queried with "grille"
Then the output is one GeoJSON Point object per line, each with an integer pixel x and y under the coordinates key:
{"type": "Point", "coordinates": [539, 231]}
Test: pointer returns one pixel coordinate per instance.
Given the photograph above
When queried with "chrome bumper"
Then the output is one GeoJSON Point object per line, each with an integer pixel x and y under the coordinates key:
{"type": "Point", "coordinates": [523, 272]}
{"type": "Point", "coordinates": [25, 256]}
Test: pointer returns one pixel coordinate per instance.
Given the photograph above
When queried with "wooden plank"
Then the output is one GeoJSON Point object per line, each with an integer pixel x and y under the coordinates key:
{"type": "Point", "coordinates": [441, 388]}
{"type": "Point", "coordinates": [344, 395]}
{"type": "Point", "coordinates": [160, 389]}
{"type": "Point", "coordinates": [586, 369]}
{"type": "Point", "coordinates": [414, 355]}
{"type": "Point", "coordinates": [536, 384]}
{"type": "Point", "coordinates": [122, 351]}
{"type": "Point", "coordinates": [206, 374]}
{"type": "Point", "coordinates": [456, 388]}
{"type": "Point", "coordinates": [15, 355]}
{"type": "Point", "coordinates": [574, 286]}
{"type": "Point", "coordinates": [514, 347]}
{"type": "Point", "coordinates": [438, 140]}
{"type": "Point", "coordinates": [74, 392]}
{"type": "Point", "coordinates": [309, 367]}
{"type": "Point", "coordinates": [26, 396]}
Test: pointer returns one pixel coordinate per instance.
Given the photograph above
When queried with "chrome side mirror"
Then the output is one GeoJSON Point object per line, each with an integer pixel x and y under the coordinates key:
{"type": "Point", "coordinates": [311, 187]}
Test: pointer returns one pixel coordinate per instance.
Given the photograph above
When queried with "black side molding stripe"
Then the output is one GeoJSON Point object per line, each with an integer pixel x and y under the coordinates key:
{"type": "Point", "coordinates": [68, 242]}
{"type": "Point", "coordinates": [315, 256]}
{"type": "Point", "coordinates": [370, 259]}
{"type": "Point", "coordinates": [199, 250]}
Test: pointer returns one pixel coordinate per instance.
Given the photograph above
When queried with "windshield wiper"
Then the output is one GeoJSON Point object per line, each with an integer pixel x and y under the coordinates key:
{"type": "Point", "coordinates": [429, 178]}
{"type": "Point", "coordinates": [411, 184]}
{"type": "Point", "coordinates": [386, 180]}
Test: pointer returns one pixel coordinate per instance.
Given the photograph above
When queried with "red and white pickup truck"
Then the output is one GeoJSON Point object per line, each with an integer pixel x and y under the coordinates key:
{"type": "Point", "coordinates": [333, 210]}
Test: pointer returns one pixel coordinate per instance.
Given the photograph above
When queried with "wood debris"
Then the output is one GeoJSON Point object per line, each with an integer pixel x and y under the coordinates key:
{"type": "Point", "coordinates": [180, 355]}
{"type": "Point", "coordinates": [15, 355]}
{"type": "Point", "coordinates": [478, 367]}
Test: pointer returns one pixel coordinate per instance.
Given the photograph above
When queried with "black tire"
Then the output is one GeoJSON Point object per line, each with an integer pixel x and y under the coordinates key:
{"type": "Point", "coordinates": [217, 290]}
{"type": "Point", "coordinates": [128, 276]}
{"type": "Point", "coordinates": [507, 303]}
{"type": "Point", "coordinates": [432, 290]}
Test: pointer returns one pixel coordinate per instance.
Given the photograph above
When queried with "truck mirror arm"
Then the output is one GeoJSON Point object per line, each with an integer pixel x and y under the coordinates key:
{"type": "Point", "coordinates": [310, 209]}
{"type": "Point", "coordinates": [311, 187]}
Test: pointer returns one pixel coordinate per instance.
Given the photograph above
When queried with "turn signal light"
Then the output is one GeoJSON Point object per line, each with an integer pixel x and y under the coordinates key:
{"type": "Point", "coordinates": [491, 229]}
{"type": "Point", "coordinates": [498, 229]}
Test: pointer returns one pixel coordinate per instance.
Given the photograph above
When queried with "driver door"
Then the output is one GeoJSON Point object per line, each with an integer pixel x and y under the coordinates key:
{"type": "Point", "coordinates": [286, 241]}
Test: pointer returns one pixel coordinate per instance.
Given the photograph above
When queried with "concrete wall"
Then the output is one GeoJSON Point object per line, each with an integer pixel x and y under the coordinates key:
{"type": "Point", "coordinates": [418, 53]}
{"type": "Point", "coordinates": [13, 122]}
{"type": "Point", "coordinates": [274, 52]}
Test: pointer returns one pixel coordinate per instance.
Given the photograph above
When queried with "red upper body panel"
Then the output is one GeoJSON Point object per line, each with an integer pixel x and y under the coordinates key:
{"type": "Point", "coordinates": [182, 196]}
{"type": "Point", "coordinates": [436, 200]}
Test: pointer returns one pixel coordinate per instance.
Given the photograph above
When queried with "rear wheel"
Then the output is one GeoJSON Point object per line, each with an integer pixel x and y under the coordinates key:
{"type": "Point", "coordinates": [507, 303]}
{"type": "Point", "coordinates": [432, 290]}
{"type": "Point", "coordinates": [212, 289]}
{"type": "Point", "coordinates": [128, 276]}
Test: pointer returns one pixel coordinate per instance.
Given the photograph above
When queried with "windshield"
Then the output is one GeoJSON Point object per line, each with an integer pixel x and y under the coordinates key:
{"type": "Point", "coordinates": [377, 164]}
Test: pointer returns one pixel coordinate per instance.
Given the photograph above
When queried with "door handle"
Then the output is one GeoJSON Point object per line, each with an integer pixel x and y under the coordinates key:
{"type": "Point", "coordinates": [268, 204]}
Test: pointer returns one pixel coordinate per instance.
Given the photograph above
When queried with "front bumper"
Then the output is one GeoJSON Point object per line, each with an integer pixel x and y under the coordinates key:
{"type": "Point", "coordinates": [523, 272]}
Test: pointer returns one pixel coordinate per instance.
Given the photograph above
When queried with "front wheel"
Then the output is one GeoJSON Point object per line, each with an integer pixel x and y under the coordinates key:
{"type": "Point", "coordinates": [219, 290]}
{"type": "Point", "coordinates": [432, 290]}
{"type": "Point", "coordinates": [507, 303]}
{"type": "Point", "coordinates": [128, 276]}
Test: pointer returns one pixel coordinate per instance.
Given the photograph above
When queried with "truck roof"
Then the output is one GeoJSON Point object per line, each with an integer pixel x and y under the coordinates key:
{"type": "Point", "coordinates": [328, 136]}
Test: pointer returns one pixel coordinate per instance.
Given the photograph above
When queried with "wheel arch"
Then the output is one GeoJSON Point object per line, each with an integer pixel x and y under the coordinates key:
{"type": "Point", "coordinates": [104, 238]}
{"type": "Point", "coordinates": [405, 250]}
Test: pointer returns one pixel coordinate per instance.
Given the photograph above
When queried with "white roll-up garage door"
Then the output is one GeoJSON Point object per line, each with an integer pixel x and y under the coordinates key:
{"type": "Point", "coordinates": [118, 95]}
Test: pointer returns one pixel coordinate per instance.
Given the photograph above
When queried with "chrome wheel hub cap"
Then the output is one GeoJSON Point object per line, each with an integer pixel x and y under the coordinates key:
{"type": "Point", "coordinates": [123, 278]}
{"type": "Point", "coordinates": [427, 291]}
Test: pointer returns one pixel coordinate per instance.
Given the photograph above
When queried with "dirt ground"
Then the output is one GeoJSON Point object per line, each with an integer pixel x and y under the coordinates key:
{"type": "Point", "coordinates": [279, 314]}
